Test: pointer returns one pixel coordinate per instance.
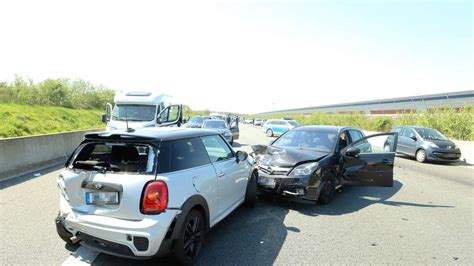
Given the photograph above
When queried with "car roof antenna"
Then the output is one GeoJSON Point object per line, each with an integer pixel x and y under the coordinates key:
{"type": "Point", "coordinates": [129, 129]}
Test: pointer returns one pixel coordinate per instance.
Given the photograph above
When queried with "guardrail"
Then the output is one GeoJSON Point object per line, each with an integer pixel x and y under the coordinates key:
{"type": "Point", "coordinates": [21, 155]}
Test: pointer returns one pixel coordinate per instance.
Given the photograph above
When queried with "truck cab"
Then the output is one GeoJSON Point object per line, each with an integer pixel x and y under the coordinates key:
{"type": "Point", "coordinates": [140, 110]}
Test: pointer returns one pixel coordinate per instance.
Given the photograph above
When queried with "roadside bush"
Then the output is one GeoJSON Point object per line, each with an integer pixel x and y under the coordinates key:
{"type": "Point", "coordinates": [77, 94]}
{"type": "Point", "coordinates": [454, 123]}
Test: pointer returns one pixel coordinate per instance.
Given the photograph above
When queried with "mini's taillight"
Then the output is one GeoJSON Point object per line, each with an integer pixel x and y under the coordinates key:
{"type": "Point", "coordinates": [155, 197]}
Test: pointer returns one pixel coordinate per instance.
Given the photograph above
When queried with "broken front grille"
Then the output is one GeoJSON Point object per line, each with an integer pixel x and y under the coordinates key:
{"type": "Point", "coordinates": [276, 170]}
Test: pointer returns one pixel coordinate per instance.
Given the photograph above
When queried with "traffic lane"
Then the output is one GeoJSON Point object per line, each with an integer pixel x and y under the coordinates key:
{"type": "Point", "coordinates": [29, 206]}
{"type": "Point", "coordinates": [441, 207]}
{"type": "Point", "coordinates": [361, 225]}
{"type": "Point", "coordinates": [407, 223]}
{"type": "Point", "coordinates": [450, 171]}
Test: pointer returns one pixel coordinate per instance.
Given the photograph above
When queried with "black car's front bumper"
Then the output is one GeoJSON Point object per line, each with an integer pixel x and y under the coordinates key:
{"type": "Point", "coordinates": [304, 188]}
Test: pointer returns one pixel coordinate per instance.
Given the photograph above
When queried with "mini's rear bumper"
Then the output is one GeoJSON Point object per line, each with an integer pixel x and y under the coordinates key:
{"type": "Point", "coordinates": [142, 239]}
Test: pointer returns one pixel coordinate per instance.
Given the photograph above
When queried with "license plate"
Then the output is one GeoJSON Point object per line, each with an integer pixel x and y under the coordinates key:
{"type": "Point", "coordinates": [267, 182]}
{"type": "Point", "coordinates": [102, 198]}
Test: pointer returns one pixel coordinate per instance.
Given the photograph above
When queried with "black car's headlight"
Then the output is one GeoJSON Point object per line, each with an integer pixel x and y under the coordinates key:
{"type": "Point", "coordinates": [304, 170]}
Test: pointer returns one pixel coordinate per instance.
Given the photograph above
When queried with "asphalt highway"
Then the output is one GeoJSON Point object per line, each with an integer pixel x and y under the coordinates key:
{"type": "Point", "coordinates": [426, 218]}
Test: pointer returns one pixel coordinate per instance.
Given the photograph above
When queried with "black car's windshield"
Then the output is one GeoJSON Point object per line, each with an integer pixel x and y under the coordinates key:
{"type": "Point", "coordinates": [196, 120]}
{"type": "Point", "coordinates": [134, 112]}
{"type": "Point", "coordinates": [430, 133]}
{"type": "Point", "coordinates": [308, 139]}
{"type": "Point", "coordinates": [214, 124]}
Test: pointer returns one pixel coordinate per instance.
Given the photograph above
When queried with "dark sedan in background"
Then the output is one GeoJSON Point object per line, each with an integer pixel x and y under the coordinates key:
{"type": "Point", "coordinates": [309, 162]}
{"type": "Point", "coordinates": [221, 127]}
{"type": "Point", "coordinates": [196, 121]}
{"type": "Point", "coordinates": [425, 144]}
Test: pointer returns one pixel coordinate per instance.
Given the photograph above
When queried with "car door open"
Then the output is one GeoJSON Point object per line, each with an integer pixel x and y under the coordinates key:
{"type": "Point", "coordinates": [170, 116]}
{"type": "Point", "coordinates": [365, 163]}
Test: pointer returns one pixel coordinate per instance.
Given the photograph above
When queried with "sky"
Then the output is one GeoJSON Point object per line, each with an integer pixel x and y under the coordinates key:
{"type": "Point", "coordinates": [244, 56]}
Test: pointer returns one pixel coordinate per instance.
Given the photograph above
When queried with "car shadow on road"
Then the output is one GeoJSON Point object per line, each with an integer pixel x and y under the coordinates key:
{"type": "Point", "coordinates": [453, 163]}
{"type": "Point", "coordinates": [248, 236]}
{"type": "Point", "coordinates": [352, 199]}
{"type": "Point", "coordinates": [255, 236]}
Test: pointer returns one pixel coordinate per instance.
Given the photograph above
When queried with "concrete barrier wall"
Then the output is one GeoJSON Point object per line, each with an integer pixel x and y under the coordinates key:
{"type": "Point", "coordinates": [22, 155]}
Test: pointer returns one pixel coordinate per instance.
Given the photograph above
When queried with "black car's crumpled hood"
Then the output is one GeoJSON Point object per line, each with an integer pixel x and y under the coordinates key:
{"type": "Point", "coordinates": [285, 157]}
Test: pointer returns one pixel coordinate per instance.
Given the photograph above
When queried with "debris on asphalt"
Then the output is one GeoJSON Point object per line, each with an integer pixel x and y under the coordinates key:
{"type": "Point", "coordinates": [455, 258]}
{"type": "Point", "coordinates": [404, 219]}
{"type": "Point", "coordinates": [261, 242]}
{"type": "Point", "coordinates": [37, 174]}
{"type": "Point", "coordinates": [374, 244]}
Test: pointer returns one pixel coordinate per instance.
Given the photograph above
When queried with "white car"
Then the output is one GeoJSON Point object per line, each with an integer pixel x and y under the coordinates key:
{"type": "Point", "coordinates": [151, 192]}
{"type": "Point", "coordinates": [258, 122]}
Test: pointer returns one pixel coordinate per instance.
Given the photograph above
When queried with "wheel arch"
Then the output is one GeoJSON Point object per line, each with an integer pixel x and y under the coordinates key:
{"type": "Point", "coordinates": [194, 202]}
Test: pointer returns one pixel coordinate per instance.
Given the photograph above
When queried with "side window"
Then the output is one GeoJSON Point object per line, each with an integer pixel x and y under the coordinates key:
{"type": "Point", "coordinates": [355, 135]}
{"type": "Point", "coordinates": [181, 154]}
{"type": "Point", "coordinates": [342, 141]}
{"type": "Point", "coordinates": [398, 129]}
{"type": "Point", "coordinates": [171, 113]}
{"type": "Point", "coordinates": [408, 133]}
{"type": "Point", "coordinates": [216, 148]}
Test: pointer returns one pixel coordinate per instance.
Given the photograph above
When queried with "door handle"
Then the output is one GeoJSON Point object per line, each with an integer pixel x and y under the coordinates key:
{"type": "Point", "coordinates": [221, 175]}
{"type": "Point", "coordinates": [385, 161]}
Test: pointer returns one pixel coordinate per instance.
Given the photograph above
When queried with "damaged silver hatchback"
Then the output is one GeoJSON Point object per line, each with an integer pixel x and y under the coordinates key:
{"type": "Point", "coordinates": [310, 162]}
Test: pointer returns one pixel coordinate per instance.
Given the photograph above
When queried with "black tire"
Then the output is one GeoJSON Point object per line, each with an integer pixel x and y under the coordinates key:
{"type": "Point", "coordinates": [420, 156]}
{"type": "Point", "coordinates": [269, 133]}
{"type": "Point", "coordinates": [191, 238]}
{"type": "Point", "coordinates": [327, 193]}
{"type": "Point", "coordinates": [251, 191]}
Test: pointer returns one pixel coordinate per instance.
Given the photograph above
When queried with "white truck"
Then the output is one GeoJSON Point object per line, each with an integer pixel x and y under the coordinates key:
{"type": "Point", "coordinates": [139, 109]}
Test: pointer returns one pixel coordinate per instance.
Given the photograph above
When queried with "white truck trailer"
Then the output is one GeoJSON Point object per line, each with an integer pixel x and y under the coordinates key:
{"type": "Point", "coordinates": [139, 109]}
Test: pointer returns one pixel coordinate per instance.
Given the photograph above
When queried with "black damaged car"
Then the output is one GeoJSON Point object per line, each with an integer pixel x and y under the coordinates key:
{"type": "Point", "coordinates": [310, 162]}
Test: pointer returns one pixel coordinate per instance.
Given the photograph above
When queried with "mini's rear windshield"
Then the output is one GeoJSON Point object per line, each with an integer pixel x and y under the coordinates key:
{"type": "Point", "coordinates": [116, 157]}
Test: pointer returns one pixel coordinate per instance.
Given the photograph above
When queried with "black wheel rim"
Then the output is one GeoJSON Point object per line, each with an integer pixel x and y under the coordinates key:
{"type": "Point", "coordinates": [193, 237]}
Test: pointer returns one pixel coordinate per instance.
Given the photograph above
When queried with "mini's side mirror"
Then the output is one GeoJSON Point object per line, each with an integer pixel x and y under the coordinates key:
{"type": "Point", "coordinates": [105, 118]}
{"type": "Point", "coordinates": [413, 138]}
{"type": "Point", "coordinates": [241, 156]}
{"type": "Point", "coordinates": [158, 120]}
{"type": "Point", "coordinates": [353, 152]}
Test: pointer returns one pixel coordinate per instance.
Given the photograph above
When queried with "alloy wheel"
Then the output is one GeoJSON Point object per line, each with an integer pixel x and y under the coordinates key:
{"type": "Point", "coordinates": [193, 237]}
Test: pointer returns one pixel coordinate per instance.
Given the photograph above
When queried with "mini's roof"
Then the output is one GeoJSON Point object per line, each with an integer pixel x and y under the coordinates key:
{"type": "Point", "coordinates": [150, 134]}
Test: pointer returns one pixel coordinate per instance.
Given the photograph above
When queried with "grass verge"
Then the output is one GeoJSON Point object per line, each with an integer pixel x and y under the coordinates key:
{"type": "Point", "coordinates": [25, 120]}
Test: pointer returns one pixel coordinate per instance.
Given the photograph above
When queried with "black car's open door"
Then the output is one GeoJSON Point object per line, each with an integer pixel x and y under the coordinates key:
{"type": "Point", "coordinates": [363, 166]}
{"type": "Point", "coordinates": [170, 116]}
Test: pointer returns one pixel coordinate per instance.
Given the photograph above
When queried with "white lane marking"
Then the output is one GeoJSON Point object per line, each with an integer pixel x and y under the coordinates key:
{"type": "Point", "coordinates": [82, 256]}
